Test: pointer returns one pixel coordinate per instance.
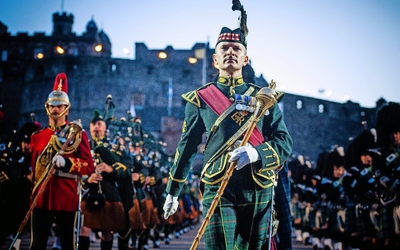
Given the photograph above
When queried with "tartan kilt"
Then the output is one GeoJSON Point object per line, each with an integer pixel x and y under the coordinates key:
{"type": "Point", "coordinates": [351, 218]}
{"type": "Point", "coordinates": [313, 219]}
{"type": "Point", "coordinates": [241, 217]}
{"type": "Point", "coordinates": [386, 221]}
{"type": "Point", "coordinates": [176, 218]}
{"type": "Point", "coordinates": [110, 217]}
{"type": "Point", "coordinates": [365, 228]}
{"type": "Point", "coordinates": [149, 213]}
{"type": "Point", "coordinates": [296, 210]}
{"type": "Point", "coordinates": [324, 213]}
{"type": "Point", "coordinates": [135, 216]}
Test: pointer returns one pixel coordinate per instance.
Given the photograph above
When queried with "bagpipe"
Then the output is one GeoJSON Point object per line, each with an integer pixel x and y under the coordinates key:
{"type": "Point", "coordinates": [96, 207]}
{"type": "Point", "coordinates": [128, 134]}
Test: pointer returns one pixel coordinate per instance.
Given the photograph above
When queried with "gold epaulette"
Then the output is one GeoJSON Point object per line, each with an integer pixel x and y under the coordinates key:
{"type": "Point", "coordinates": [193, 97]}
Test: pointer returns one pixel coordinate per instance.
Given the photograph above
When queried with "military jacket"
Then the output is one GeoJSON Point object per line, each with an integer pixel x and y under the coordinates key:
{"type": "Point", "coordinates": [116, 185]}
{"type": "Point", "coordinates": [200, 119]}
{"type": "Point", "coordinates": [61, 192]}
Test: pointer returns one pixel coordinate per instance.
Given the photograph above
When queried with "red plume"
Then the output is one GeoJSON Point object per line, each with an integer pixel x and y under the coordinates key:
{"type": "Point", "coordinates": [61, 83]}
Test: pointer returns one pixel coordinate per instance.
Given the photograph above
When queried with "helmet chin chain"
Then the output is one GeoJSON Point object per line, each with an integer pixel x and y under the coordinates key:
{"type": "Point", "coordinates": [55, 117]}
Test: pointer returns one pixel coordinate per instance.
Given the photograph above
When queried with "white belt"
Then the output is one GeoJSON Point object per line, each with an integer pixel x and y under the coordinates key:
{"type": "Point", "coordinates": [60, 173]}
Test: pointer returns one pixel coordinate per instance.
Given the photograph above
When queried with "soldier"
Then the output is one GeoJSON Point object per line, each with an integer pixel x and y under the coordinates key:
{"type": "Point", "coordinates": [220, 109]}
{"type": "Point", "coordinates": [151, 180]}
{"type": "Point", "coordinates": [21, 188]}
{"type": "Point", "coordinates": [332, 194]}
{"type": "Point", "coordinates": [59, 199]}
{"type": "Point", "coordinates": [386, 164]}
{"type": "Point", "coordinates": [112, 177]}
{"type": "Point", "coordinates": [298, 171]}
{"type": "Point", "coordinates": [359, 187]}
{"type": "Point", "coordinates": [315, 219]}
{"type": "Point", "coordinates": [15, 181]}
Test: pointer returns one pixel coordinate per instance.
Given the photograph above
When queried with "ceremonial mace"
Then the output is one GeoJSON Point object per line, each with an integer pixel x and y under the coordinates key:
{"type": "Point", "coordinates": [265, 98]}
{"type": "Point", "coordinates": [75, 127]}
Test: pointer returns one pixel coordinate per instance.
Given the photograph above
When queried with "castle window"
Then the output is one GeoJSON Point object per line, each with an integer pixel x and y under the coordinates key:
{"type": "Point", "coordinates": [150, 69]}
{"type": "Point", "coordinates": [321, 108]}
{"type": "Point", "coordinates": [38, 53]}
{"type": "Point", "coordinates": [192, 60]}
{"type": "Point", "coordinates": [4, 56]}
{"type": "Point", "coordinates": [60, 50]}
{"type": "Point", "coordinates": [73, 51]}
{"type": "Point", "coordinates": [113, 67]}
{"type": "Point", "coordinates": [299, 104]}
{"type": "Point", "coordinates": [162, 55]}
{"type": "Point", "coordinates": [98, 48]}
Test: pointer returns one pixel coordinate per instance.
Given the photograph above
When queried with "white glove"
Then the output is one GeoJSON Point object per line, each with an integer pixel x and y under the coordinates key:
{"type": "Point", "coordinates": [59, 161]}
{"type": "Point", "coordinates": [170, 205]}
{"type": "Point", "coordinates": [244, 155]}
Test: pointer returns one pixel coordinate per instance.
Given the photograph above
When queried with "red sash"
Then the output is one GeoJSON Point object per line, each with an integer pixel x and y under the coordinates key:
{"type": "Point", "coordinates": [218, 103]}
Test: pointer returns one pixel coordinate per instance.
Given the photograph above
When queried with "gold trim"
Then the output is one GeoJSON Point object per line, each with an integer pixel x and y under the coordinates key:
{"type": "Point", "coordinates": [152, 181]}
{"type": "Point", "coordinates": [119, 165]}
{"type": "Point", "coordinates": [274, 154]}
{"type": "Point", "coordinates": [57, 145]}
{"type": "Point", "coordinates": [60, 127]}
{"type": "Point", "coordinates": [192, 97]}
{"type": "Point", "coordinates": [175, 179]}
{"type": "Point", "coordinates": [228, 81]}
{"type": "Point", "coordinates": [272, 179]}
{"type": "Point", "coordinates": [223, 163]}
{"type": "Point", "coordinates": [212, 182]}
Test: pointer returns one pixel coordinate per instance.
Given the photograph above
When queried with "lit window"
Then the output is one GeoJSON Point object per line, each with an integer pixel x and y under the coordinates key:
{"type": "Point", "coordinates": [299, 104]}
{"type": "Point", "coordinates": [60, 50]}
{"type": "Point", "coordinates": [321, 108]}
{"type": "Point", "coordinates": [113, 67]}
{"type": "Point", "coordinates": [98, 48]}
{"type": "Point", "coordinates": [38, 53]}
{"type": "Point", "coordinates": [192, 60]}
{"type": "Point", "coordinates": [362, 113]}
{"type": "Point", "coordinates": [162, 55]}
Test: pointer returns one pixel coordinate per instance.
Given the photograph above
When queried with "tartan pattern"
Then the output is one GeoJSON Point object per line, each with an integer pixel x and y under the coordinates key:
{"type": "Point", "coordinates": [312, 216]}
{"type": "Point", "coordinates": [324, 213]}
{"type": "Point", "coordinates": [364, 224]}
{"type": "Point", "coordinates": [332, 220]}
{"type": "Point", "coordinates": [282, 207]}
{"type": "Point", "coordinates": [351, 217]}
{"type": "Point", "coordinates": [238, 222]}
{"type": "Point", "coordinates": [386, 221]}
{"type": "Point", "coordinates": [297, 213]}
{"type": "Point", "coordinates": [229, 36]}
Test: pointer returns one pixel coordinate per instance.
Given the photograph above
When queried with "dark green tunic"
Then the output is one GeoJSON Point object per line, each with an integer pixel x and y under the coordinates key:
{"type": "Point", "coordinates": [240, 220]}
{"type": "Point", "coordinates": [199, 118]}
